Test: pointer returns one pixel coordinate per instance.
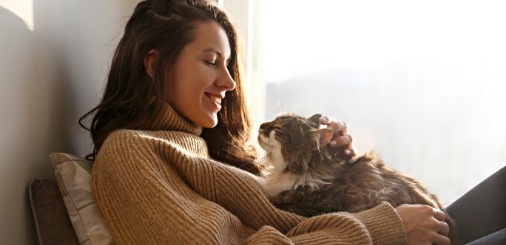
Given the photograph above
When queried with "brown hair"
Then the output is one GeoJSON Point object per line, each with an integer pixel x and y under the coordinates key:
{"type": "Point", "coordinates": [132, 99]}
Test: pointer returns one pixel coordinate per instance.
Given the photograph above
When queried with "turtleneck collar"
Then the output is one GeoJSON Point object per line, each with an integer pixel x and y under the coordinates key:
{"type": "Point", "coordinates": [169, 119]}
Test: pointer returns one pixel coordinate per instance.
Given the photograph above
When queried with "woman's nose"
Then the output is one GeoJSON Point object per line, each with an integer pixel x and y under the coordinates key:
{"type": "Point", "coordinates": [226, 81]}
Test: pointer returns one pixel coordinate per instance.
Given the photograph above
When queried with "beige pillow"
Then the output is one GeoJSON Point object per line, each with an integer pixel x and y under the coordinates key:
{"type": "Point", "coordinates": [74, 181]}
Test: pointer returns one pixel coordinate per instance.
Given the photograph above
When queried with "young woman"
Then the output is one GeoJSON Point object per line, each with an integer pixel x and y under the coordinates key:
{"type": "Point", "coordinates": [172, 160]}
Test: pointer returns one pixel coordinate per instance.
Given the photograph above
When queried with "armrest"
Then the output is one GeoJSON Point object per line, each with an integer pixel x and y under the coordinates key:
{"type": "Point", "coordinates": [49, 213]}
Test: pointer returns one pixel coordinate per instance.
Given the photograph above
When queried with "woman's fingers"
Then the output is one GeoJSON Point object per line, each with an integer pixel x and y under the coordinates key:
{"type": "Point", "coordinates": [340, 135]}
{"type": "Point", "coordinates": [443, 228]}
{"type": "Point", "coordinates": [424, 224]}
{"type": "Point", "coordinates": [335, 126]}
{"type": "Point", "coordinates": [439, 215]}
{"type": "Point", "coordinates": [350, 152]}
{"type": "Point", "coordinates": [441, 240]}
{"type": "Point", "coordinates": [340, 138]}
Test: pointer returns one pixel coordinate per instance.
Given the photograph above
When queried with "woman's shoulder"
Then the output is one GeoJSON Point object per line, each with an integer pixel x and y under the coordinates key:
{"type": "Point", "coordinates": [124, 139]}
{"type": "Point", "coordinates": [132, 135]}
{"type": "Point", "coordinates": [122, 136]}
{"type": "Point", "coordinates": [126, 134]}
{"type": "Point", "coordinates": [126, 145]}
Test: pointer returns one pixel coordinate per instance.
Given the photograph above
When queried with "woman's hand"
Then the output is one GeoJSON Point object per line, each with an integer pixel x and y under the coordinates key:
{"type": "Point", "coordinates": [424, 224]}
{"type": "Point", "coordinates": [341, 140]}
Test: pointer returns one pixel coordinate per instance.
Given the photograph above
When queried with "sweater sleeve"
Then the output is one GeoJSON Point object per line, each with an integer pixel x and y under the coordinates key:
{"type": "Point", "coordinates": [379, 225]}
{"type": "Point", "coordinates": [340, 228]}
{"type": "Point", "coordinates": [144, 200]}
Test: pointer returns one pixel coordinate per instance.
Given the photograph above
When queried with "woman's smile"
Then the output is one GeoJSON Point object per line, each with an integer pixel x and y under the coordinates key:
{"type": "Point", "coordinates": [198, 80]}
{"type": "Point", "coordinates": [215, 100]}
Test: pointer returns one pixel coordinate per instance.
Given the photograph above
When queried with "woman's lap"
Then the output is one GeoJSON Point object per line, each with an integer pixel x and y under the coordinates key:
{"type": "Point", "coordinates": [482, 210]}
{"type": "Point", "coordinates": [496, 238]}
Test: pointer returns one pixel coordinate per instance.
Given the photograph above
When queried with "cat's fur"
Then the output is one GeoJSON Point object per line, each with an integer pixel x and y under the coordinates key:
{"type": "Point", "coordinates": [307, 177]}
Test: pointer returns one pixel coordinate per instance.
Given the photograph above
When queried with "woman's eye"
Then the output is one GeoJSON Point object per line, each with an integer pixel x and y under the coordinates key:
{"type": "Point", "coordinates": [210, 63]}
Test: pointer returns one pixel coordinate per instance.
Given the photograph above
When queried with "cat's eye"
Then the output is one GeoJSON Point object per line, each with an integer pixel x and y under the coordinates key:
{"type": "Point", "coordinates": [282, 135]}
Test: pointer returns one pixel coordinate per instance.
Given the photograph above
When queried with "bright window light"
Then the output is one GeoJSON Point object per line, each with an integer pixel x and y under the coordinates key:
{"type": "Point", "coordinates": [421, 82]}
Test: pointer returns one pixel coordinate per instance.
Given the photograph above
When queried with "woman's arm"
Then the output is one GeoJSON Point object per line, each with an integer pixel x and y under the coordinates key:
{"type": "Point", "coordinates": [146, 199]}
{"type": "Point", "coordinates": [378, 225]}
{"type": "Point", "coordinates": [423, 224]}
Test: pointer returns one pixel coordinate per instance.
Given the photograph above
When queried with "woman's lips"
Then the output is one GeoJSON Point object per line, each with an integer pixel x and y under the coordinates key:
{"type": "Point", "coordinates": [215, 99]}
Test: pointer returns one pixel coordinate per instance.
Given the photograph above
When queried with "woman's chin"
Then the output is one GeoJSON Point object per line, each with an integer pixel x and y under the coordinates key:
{"type": "Point", "coordinates": [209, 122]}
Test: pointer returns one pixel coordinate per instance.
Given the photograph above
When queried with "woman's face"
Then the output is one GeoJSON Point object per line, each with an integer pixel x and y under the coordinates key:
{"type": "Point", "coordinates": [199, 78]}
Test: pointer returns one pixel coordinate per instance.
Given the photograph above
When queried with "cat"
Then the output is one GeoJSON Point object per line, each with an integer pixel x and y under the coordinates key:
{"type": "Point", "coordinates": [307, 177]}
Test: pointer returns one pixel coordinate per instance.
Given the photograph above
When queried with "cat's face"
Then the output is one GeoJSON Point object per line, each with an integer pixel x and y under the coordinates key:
{"type": "Point", "coordinates": [290, 139]}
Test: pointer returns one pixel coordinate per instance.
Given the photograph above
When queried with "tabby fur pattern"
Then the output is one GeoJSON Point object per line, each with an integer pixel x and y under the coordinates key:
{"type": "Point", "coordinates": [308, 177]}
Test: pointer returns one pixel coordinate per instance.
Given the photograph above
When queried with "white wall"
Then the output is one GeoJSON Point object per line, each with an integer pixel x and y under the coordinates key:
{"type": "Point", "coordinates": [54, 57]}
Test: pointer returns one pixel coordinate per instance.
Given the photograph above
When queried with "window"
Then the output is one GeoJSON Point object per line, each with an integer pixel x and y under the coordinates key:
{"type": "Point", "coordinates": [421, 82]}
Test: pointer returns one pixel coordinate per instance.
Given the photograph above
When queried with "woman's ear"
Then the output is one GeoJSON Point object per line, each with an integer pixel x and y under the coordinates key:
{"type": "Point", "coordinates": [150, 62]}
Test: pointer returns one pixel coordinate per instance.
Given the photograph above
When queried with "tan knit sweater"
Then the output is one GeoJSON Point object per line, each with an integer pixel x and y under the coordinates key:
{"type": "Point", "coordinates": [159, 186]}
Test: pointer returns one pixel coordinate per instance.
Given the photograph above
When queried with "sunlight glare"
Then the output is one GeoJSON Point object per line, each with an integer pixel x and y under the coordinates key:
{"type": "Point", "coordinates": [22, 8]}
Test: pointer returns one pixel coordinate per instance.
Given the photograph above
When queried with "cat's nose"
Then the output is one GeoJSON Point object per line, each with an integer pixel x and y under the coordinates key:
{"type": "Point", "coordinates": [264, 129]}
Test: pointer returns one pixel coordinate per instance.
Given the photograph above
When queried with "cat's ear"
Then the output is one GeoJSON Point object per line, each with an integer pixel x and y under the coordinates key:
{"type": "Point", "coordinates": [315, 118]}
{"type": "Point", "coordinates": [321, 137]}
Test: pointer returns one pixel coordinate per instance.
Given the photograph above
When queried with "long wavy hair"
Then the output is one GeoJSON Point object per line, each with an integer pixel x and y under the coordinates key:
{"type": "Point", "coordinates": [132, 99]}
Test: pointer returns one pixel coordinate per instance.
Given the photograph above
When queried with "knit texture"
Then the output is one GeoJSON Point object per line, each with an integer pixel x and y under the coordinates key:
{"type": "Point", "coordinates": [159, 186]}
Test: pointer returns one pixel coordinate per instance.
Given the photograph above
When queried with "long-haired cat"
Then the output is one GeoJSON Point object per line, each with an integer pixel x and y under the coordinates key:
{"type": "Point", "coordinates": [306, 177]}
